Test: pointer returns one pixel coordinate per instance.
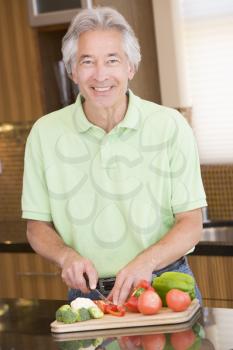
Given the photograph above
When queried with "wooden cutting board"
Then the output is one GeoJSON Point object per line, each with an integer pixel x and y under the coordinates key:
{"type": "Point", "coordinates": [165, 316]}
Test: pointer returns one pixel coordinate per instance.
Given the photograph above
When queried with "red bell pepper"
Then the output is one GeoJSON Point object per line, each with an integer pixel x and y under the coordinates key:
{"type": "Point", "coordinates": [109, 308]}
{"type": "Point", "coordinates": [115, 310]}
{"type": "Point", "coordinates": [132, 304]}
{"type": "Point", "coordinates": [143, 284]}
{"type": "Point", "coordinates": [101, 305]}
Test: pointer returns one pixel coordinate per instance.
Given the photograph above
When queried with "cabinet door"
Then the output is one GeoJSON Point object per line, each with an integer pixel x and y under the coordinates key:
{"type": "Point", "coordinates": [21, 98]}
{"type": "Point", "coordinates": [30, 276]}
{"type": "Point", "coordinates": [214, 277]}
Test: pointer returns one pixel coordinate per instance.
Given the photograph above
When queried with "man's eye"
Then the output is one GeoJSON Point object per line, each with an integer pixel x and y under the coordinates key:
{"type": "Point", "coordinates": [86, 62]}
{"type": "Point", "coordinates": [113, 60]}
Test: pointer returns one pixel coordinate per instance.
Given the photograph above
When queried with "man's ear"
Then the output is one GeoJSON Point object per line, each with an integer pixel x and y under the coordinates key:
{"type": "Point", "coordinates": [131, 72]}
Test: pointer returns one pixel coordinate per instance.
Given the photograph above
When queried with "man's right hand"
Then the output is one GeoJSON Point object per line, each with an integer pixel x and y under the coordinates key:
{"type": "Point", "coordinates": [47, 242]}
{"type": "Point", "coordinates": [74, 268]}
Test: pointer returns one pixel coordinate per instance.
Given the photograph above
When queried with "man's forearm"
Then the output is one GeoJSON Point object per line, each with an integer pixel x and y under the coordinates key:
{"type": "Point", "coordinates": [183, 236]}
{"type": "Point", "coordinates": [46, 242]}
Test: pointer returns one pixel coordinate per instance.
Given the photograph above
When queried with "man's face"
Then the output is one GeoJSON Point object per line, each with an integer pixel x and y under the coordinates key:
{"type": "Point", "coordinates": [102, 69]}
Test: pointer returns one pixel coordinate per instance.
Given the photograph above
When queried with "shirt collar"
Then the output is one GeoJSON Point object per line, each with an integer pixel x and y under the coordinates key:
{"type": "Point", "coordinates": [130, 121]}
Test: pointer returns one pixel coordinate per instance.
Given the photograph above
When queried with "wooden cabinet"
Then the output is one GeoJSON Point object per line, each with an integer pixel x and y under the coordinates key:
{"type": "Point", "coordinates": [214, 277]}
{"type": "Point", "coordinates": [139, 14]}
{"type": "Point", "coordinates": [29, 55]}
{"type": "Point", "coordinates": [20, 82]}
{"type": "Point", "coordinates": [25, 275]}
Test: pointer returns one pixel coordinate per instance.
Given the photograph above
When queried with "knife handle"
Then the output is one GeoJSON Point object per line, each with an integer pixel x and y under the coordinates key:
{"type": "Point", "coordinates": [87, 280]}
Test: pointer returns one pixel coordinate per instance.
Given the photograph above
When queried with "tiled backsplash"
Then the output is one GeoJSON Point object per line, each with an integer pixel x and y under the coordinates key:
{"type": "Point", "coordinates": [11, 155]}
{"type": "Point", "coordinates": [218, 181]}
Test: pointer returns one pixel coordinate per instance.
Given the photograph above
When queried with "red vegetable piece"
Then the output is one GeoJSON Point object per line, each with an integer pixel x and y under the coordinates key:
{"type": "Point", "coordinates": [132, 304]}
{"type": "Point", "coordinates": [115, 310]}
{"type": "Point", "coordinates": [101, 305]}
{"type": "Point", "coordinates": [143, 284]}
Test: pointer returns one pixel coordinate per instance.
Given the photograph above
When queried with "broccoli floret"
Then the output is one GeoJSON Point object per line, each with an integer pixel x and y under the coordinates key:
{"type": "Point", "coordinates": [70, 316]}
{"type": "Point", "coordinates": [83, 314]}
{"type": "Point", "coordinates": [61, 310]}
{"type": "Point", "coordinates": [95, 312]}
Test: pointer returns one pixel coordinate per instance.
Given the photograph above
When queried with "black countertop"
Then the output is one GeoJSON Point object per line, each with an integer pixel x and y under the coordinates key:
{"type": "Point", "coordinates": [217, 238]}
{"type": "Point", "coordinates": [25, 324]}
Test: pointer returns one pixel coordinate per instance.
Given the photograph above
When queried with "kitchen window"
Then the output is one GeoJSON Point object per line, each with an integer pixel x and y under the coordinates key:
{"type": "Point", "coordinates": [200, 41]}
{"type": "Point", "coordinates": [208, 48]}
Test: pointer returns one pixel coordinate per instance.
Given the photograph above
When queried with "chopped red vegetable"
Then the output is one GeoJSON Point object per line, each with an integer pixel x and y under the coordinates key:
{"type": "Point", "coordinates": [115, 310]}
{"type": "Point", "coordinates": [132, 304]}
{"type": "Point", "coordinates": [109, 308]}
{"type": "Point", "coordinates": [101, 305]}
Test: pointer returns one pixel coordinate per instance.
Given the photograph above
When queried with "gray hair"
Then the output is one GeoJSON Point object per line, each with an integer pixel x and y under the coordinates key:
{"type": "Point", "coordinates": [104, 18]}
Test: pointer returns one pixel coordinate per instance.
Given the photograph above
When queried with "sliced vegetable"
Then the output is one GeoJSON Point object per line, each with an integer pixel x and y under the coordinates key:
{"type": "Point", "coordinates": [177, 300]}
{"type": "Point", "coordinates": [132, 304]}
{"type": "Point", "coordinates": [115, 310]}
{"type": "Point", "coordinates": [101, 305]}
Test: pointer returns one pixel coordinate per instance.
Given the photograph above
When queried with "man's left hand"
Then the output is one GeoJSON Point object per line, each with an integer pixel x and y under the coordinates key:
{"type": "Point", "coordinates": [138, 269]}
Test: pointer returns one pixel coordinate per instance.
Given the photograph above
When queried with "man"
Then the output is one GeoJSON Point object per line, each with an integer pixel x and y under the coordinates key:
{"type": "Point", "coordinates": [112, 188]}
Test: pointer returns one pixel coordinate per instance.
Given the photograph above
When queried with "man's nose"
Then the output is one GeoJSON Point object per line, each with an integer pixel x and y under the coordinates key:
{"type": "Point", "coordinates": [100, 72]}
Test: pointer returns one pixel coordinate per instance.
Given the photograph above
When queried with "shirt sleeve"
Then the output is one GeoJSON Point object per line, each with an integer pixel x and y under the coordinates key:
{"type": "Point", "coordinates": [187, 187]}
{"type": "Point", "coordinates": [35, 199]}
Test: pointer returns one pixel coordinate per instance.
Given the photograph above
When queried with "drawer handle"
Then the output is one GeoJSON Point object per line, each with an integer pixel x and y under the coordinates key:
{"type": "Point", "coordinates": [31, 274]}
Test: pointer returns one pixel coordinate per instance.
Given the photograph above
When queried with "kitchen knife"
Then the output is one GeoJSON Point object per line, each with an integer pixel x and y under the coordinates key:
{"type": "Point", "coordinates": [102, 297]}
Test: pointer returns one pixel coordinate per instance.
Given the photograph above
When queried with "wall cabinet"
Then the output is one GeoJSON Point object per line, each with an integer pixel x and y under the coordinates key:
{"type": "Point", "coordinates": [28, 83]}
{"type": "Point", "coordinates": [214, 277]}
{"type": "Point", "coordinates": [25, 275]}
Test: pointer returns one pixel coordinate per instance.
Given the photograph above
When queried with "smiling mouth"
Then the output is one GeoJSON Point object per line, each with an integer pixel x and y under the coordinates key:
{"type": "Point", "coordinates": [102, 89]}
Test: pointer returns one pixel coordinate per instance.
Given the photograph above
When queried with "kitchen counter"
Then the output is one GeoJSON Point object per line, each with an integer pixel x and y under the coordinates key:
{"type": "Point", "coordinates": [217, 238]}
{"type": "Point", "coordinates": [25, 324]}
{"type": "Point", "coordinates": [13, 237]}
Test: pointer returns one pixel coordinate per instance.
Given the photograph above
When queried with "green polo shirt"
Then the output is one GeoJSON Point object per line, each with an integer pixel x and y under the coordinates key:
{"type": "Point", "coordinates": [111, 195]}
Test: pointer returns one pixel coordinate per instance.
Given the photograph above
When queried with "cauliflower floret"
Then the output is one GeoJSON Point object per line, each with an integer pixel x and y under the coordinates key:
{"type": "Point", "coordinates": [79, 303]}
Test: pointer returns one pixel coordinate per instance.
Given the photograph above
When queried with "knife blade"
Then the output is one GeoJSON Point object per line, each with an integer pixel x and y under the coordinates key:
{"type": "Point", "coordinates": [102, 297]}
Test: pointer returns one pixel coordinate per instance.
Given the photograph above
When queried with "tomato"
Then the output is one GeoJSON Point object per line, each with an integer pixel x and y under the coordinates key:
{"type": "Point", "coordinates": [153, 341]}
{"type": "Point", "coordinates": [149, 303]}
{"type": "Point", "coordinates": [183, 340]}
{"type": "Point", "coordinates": [177, 300]}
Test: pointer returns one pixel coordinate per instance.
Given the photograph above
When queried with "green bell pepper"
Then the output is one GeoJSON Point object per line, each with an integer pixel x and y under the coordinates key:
{"type": "Point", "coordinates": [173, 280]}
